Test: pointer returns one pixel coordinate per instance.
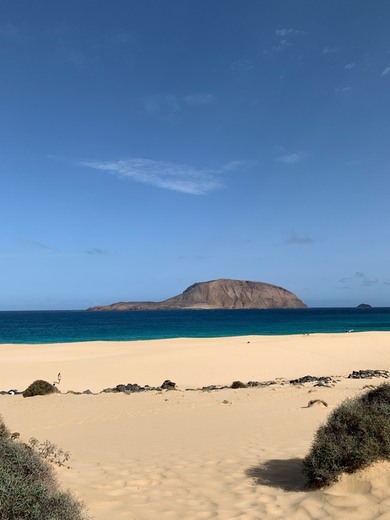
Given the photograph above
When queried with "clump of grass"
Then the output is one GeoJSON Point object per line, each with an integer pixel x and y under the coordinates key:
{"type": "Point", "coordinates": [50, 452]}
{"type": "Point", "coordinates": [355, 435]}
{"type": "Point", "coordinates": [39, 387]}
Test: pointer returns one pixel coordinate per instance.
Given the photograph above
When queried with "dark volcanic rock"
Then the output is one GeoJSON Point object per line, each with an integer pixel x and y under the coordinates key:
{"type": "Point", "coordinates": [238, 384]}
{"type": "Point", "coordinates": [168, 385]}
{"type": "Point", "coordinates": [321, 381]}
{"type": "Point", "coordinates": [211, 388]}
{"type": "Point", "coordinates": [369, 374]}
{"type": "Point", "coordinates": [256, 384]}
{"type": "Point", "coordinates": [120, 388]}
{"type": "Point", "coordinates": [219, 294]}
{"type": "Point", "coordinates": [364, 306]}
{"type": "Point", "coordinates": [135, 388]}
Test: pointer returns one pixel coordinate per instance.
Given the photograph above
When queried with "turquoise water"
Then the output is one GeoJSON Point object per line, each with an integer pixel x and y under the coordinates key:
{"type": "Point", "coordinates": [70, 326]}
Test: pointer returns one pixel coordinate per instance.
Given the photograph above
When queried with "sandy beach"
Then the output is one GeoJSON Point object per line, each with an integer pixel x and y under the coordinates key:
{"type": "Point", "coordinates": [191, 454]}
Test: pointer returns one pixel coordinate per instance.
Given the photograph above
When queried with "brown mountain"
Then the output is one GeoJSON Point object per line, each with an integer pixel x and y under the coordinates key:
{"type": "Point", "coordinates": [218, 294]}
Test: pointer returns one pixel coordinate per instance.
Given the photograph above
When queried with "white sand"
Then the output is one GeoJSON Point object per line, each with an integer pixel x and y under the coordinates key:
{"type": "Point", "coordinates": [229, 454]}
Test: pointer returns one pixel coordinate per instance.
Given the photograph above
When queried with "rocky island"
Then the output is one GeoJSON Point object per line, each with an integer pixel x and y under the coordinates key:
{"type": "Point", "coordinates": [219, 294]}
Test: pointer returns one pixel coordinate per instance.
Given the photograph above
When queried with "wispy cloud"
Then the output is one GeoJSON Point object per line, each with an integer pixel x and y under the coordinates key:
{"type": "Point", "coordinates": [279, 47]}
{"type": "Point", "coordinates": [330, 50]}
{"type": "Point", "coordinates": [292, 158]}
{"type": "Point", "coordinates": [237, 164]}
{"type": "Point", "coordinates": [297, 239]}
{"type": "Point", "coordinates": [369, 282]}
{"type": "Point", "coordinates": [286, 39]}
{"type": "Point", "coordinates": [40, 245]}
{"type": "Point", "coordinates": [342, 90]}
{"type": "Point", "coordinates": [168, 105]}
{"type": "Point", "coordinates": [122, 38]}
{"type": "Point", "coordinates": [360, 277]}
{"type": "Point", "coordinates": [162, 106]}
{"type": "Point", "coordinates": [199, 99]}
{"type": "Point", "coordinates": [285, 33]}
{"type": "Point", "coordinates": [385, 72]}
{"type": "Point", "coordinates": [241, 66]}
{"type": "Point", "coordinates": [166, 175]}
{"type": "Point", "coordinates": [349, 66]}
{"type": "Point", "coordinates": [75, 56]}
{"type": "Point", "coordinates": [10, 33]}
{"type": "Point", "coordinates": [96, 252]}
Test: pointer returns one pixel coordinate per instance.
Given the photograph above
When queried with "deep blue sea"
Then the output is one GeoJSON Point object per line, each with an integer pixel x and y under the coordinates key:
{"type": "Point", "coordinates": [71, 326]}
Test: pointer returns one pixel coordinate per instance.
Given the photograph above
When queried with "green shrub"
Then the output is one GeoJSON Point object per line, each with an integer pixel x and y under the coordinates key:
{"type": "Point", "coordinates": [4, 432]}
{"type": "Point", "coordinates": [39, 387]}
{"type": "Point", "coordinates": [355, 435]}
{"type": "Point", "coordinates": [28, 489]}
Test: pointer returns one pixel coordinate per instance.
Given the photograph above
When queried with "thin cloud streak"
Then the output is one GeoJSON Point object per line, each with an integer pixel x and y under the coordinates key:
{"type": "Point", "coordinates": [292, 158]}
{"type": "Point", "coordinates": [330, 50]}
{"type": "Point", "coordinates": [385, 72]}
{"type": "Point", "coordinates": [296, 239]}
{"type": "Point", "coordinates": [40, 245]}
{"type": "Point", "coordinates": [169, 105]}
{"type": "Point", "coordinates": [166, 175]}
{"type": "Point", "coordinates": [361, 277]}
{"type": "Point", "coordinates": [95, 251]}
{"type": "Point", "coordinates": [199, 99]}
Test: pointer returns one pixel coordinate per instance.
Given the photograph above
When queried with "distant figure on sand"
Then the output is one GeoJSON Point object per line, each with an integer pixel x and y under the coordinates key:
{"type": "Point", "coordinates": [58, 379]}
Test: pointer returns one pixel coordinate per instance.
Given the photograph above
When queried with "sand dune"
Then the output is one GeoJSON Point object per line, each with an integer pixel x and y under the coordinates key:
{"type": "Point", "coordinates": [228, 454]}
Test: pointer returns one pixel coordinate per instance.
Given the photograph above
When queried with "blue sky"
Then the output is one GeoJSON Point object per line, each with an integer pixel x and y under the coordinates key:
{"type": "Point", "coordinates": [149, 144]}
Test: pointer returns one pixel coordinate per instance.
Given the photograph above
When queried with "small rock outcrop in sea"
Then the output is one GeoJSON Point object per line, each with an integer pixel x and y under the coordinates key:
{"type": "Point", "coordinates": [369, 374]}
{"type": "Point", "coordinates": [364, 306]}
{"type": "Point", "coordinates": [219, 294]}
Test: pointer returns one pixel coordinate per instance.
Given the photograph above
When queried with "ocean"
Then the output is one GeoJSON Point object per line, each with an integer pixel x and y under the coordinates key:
{"type": "Point", "coordinates": [72, 326]}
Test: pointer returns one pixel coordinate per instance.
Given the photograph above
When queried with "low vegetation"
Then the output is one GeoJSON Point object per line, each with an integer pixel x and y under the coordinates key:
{"type": "Point", "coordinates": [355, 435]}
{"type": "Point", "coordinates": [28, 489]}
{"type": "Point", "coordinates": [39, 387]}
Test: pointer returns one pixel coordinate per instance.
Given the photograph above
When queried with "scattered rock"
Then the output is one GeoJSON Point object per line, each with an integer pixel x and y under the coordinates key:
{"type": "Point", "coordinates": [238, 384]}
{"type": "Point", "coordinates": [168, 385]}
{"type": "Point", "coordinates": [326, 380]}
{"type": "Point", "coordinates": [87, 392]}
{"type": "Point", "coordinates": [120, 388]}
{"type": "Point", "coordinates": [369, 374]}
{"type": "Point", "coordinates": [322, 383]}
{"type": "Point", "coordinates": [314, 402]}
{"type": "Point", "coordinates": [137, 388]}
{"type": "Point", "coordinates": [211, 388]}
{"type": "Point", "coordinates": [255, 384]}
